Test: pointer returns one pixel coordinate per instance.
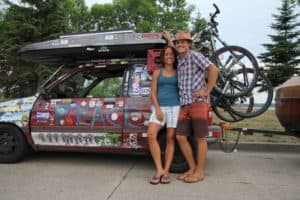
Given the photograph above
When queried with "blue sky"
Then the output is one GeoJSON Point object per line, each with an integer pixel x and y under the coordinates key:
{"type": "Point", "coordinates": [243, 23]}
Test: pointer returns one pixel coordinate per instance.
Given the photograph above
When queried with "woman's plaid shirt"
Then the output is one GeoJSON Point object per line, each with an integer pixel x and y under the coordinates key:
{"type": "Point", "coordinates": [191, 76]}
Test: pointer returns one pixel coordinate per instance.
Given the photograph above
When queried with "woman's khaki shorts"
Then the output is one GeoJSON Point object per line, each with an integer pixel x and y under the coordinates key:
{"type": "Point", "coordinates": [193, 120]}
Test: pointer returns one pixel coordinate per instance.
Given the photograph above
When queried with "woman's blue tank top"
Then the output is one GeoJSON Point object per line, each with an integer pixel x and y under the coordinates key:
{"type": "Point", "coordinates": [167, 90]}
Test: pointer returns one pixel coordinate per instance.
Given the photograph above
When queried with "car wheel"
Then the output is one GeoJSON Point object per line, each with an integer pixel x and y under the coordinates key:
{"type": "Point", "coordinates": [13, 145]}
{"type": "Point", "coordinates": [179, 163]}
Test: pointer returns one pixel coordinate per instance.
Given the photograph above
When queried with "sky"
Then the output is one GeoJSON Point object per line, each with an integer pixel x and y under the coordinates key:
{"type": "Point", "coordinates": [243, 23]}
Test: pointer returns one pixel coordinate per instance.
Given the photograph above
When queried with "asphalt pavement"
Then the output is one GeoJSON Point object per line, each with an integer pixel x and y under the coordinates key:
{"type": "Point", "coordinates": [242, 175]}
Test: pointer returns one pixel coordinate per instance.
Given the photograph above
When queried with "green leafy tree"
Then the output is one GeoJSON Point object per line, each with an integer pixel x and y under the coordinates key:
{"type": "Point", "coordinates": [103, 17]}
{"type": "Point", "coordinates": [199, 28]}
{"type": "Point", "coordinates": [37, 20]}
{"type": "Point", "coordinates": [107, 88]}
{"type": "Point", "coordinates": [1, 24]}
{"type": "Point", "coordinates": [80, 16]}
{"type": "Point", "coordinates": [33, 21]}
{"type": "Point", "coordinates": [282, 56]}
{"type": "Point", "coordinates": [142, 16]}
{"type": "Point", "coordinates": [174, 14]}
{"type": "Point", "coordinates": [135, 14]}
{"type": "Point", "coordinates": [199, 24]}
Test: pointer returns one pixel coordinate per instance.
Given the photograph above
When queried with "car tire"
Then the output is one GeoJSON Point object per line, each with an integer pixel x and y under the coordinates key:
{"type": "Point", "coordinates": [179, 163]}
{"type": "Point", "coordinates": [13, 145]}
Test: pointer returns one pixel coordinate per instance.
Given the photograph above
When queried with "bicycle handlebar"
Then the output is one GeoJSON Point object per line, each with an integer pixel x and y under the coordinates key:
{"type": "Point", "coordinates": [212, 17]}
{"type": "Point", "coordinates": [217, 9]}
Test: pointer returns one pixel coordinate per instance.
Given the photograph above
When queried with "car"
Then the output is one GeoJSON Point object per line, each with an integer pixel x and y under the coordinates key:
{"type": "Point", "coordinates": [92, 104]}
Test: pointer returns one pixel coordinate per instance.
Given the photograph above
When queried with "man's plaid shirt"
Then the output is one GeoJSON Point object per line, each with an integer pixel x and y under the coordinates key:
{"type": "Point", "coordinates": [191, 76]}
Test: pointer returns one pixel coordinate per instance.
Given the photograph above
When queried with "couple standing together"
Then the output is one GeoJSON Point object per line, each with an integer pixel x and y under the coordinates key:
{"type": "Point", "coordinates": [179, 94]}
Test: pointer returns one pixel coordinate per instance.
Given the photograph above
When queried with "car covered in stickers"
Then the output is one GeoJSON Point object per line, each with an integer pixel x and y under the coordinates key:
{"type": "Point", "coordinates": [68, 113]}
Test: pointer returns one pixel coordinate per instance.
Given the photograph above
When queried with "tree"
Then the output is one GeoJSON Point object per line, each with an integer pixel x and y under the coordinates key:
{"type": "Point", "coordinates": [103, 17]}
{"type": "Point", "coordinates": [174, 14]}
{"type": "Point", "coordinates": [282, 56]}
{"type": "Point", "coordinates": [107, 88]}
{"type": "Point", "coordinates": [135, 14]}
{"type": "Point", "coordinates": [31, 21]}
{"type": "Point", "coordinates": [199, 24]}
{"type": "Point", "coordinates": [38, 20]}
{"type": "Point", "coordinates": [2, 22]}
{"type": "Point", "coordinates": [80, 16]}
{"type": "Point", "coordinates": [27, 22]}
{"type": "Point", "coordinates": [142, 16]}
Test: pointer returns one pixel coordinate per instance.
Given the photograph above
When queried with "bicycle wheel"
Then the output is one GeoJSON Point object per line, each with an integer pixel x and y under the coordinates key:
{"type": "Point", "coordinates": [221, 107]}
{"type": "Point", "coordinates": [260, 96]}
{"type": "Point", "coordinates": [235, 79]}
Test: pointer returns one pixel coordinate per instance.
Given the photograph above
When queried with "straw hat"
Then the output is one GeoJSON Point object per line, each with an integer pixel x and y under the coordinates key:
{"type": "Point", "coordinates": [183, 35]}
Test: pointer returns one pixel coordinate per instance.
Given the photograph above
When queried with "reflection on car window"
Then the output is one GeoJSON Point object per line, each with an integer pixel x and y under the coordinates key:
{"type": "Point", "coordinates": [109, 87]}
{"type": "Point", "coordinates": [74, 87]}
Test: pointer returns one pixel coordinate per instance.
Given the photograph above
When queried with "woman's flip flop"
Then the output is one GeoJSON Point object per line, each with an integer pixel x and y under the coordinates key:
{"type": "Point", "coordinates": [165, 179]}
{"type": "Point", "coordinates": [155, 180]}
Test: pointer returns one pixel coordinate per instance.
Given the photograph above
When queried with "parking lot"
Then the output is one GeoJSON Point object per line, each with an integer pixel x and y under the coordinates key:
{"type": "Point", "coordinates": [77, 176]}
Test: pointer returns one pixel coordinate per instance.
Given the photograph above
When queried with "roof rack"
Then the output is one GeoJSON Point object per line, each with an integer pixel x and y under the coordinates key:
{"type": "Point", "coordinates": [96, 33]}
{"type": "Point", "coordinates": [114, 61]}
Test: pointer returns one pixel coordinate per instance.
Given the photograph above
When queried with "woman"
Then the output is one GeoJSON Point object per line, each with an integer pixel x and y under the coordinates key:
{"type": "Point", "coordinates": [165, 110]}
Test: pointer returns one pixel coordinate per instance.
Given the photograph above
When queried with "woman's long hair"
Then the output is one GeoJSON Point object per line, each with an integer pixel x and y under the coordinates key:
{"type": "Point", "coordinates": [162, 56]}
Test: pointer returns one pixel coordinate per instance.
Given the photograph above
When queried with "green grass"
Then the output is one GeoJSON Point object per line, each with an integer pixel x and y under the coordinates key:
{"type": "Point", "coordinates": [266, 121]}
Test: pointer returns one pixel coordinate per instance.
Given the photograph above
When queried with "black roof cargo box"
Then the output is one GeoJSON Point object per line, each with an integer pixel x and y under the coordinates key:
{"type": "Point", "coordinates": [95, 45]}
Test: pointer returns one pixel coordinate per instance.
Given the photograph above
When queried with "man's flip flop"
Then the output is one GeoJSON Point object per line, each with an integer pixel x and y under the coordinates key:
{"type": "Point", "coordinates": [155, 180]}
{"type": "Point", "coordinates": [181, 177]}
{"type": "Point", "coordinates": [193, 179]}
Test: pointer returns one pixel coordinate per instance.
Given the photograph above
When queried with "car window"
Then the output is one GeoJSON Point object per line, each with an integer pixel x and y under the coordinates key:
{"type": "Point", "coordinates": [75, 86]}
{"type": "Point", "coordinates": [109, 87]}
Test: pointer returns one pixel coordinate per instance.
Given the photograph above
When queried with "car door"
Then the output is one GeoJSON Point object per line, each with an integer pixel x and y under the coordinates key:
{"type": "Point", "coordinates": [73, 120]}
{"type": "Point", "coordinates": [137, 108]}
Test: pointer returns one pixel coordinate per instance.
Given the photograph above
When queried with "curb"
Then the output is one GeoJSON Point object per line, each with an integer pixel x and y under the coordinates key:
{"type": "Point", "coordinates": [266, 147]}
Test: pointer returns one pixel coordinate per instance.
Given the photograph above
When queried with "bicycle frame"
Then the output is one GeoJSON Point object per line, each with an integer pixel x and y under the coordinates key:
{"type": "Point", "coordinates": [213, 34]}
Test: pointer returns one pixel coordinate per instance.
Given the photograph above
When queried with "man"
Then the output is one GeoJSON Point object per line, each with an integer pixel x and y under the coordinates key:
{"type": "Point", "coordinates": [194, 93]}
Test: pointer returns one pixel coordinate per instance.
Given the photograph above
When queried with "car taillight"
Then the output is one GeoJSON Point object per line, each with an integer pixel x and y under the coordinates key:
{"type": "Point", "coordinates": [209, 116]}
{"type": "Point", "coordinates": [216, 134]}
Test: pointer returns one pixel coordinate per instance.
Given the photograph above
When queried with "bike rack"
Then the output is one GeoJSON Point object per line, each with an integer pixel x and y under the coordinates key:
{"type": "Point", "coordinates": [247, 131]}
